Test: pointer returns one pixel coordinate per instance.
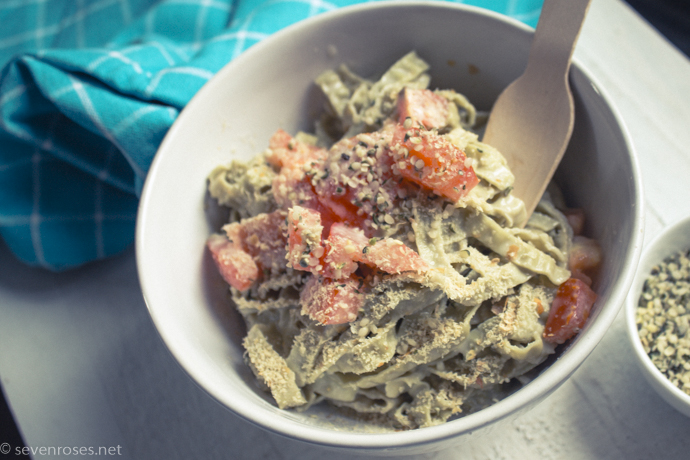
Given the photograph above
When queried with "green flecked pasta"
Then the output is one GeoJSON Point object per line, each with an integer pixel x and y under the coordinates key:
{"type": "Point", "coordinates": [361, 105]}
{"type": "Point", "coordinates": [271, 369]}
{"type": "Point", "coordinates": [426, 346]}
{"type": "Point", "coordinates": [244, 188]}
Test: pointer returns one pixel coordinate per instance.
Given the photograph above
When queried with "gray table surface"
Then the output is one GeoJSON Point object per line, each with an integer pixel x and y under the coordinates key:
{"type": "Point", "coordinates": [82, 365]}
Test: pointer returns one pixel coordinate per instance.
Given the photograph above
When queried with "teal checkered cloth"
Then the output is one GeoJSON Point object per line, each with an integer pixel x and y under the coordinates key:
{"type": "Point", "coordinates": [88, 89]}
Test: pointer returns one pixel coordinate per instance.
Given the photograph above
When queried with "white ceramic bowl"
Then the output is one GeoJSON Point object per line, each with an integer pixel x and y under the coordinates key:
{"type": "Point", "coordinates": [270, 86]}
{"type": "Point", "coordinates": [672, 239]}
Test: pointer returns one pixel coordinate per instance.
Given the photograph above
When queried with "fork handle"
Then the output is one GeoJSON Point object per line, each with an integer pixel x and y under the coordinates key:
{"type": "Point", "coordinates": [558, 29]}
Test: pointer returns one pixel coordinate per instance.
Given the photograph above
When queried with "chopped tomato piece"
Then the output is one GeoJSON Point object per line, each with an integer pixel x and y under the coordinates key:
{"type": "Point", "coordinates": [422, 106]}
{"type": "Point", "coordinates": [347, 245]}
{"type": "Point", "coordinates": [292, 187]}
{"type": "Point", "coordinates": [236, 266]}
{"type": "Point", "coordinates": [353, 166]}
{"type": "Point", "coordinates": [285, 150]}
{"type": "Point", "coordinates": [393, 256]}
{"type": "Point", "coordinates": [277, 146]}
{"type": "Point", "coordinates": [234, 233]}
{"type": "Point", "coordinates": [261, 236]}
{"type": "Point", "coordinates": [331, 301]}
{"type": "Point", "coordinates": [295, 159]}
{"type": "Point", "coordinates": [569, 311]}
{"type": "Point", "coordinates": [576, 219]}
{"type": "Point", "coordinates": [342, 206]}
{"type": "Point", "coordinates": [584, 258]}
{"type": "Point", "coordinates": [249, 247]}
{"type": "Point", "coordinates": [432, 161]}
{"type": "Point", "coordinates": [304, 239]}
{"type": "Point", "coordinates": [299, 163]}
{"type": "Point", "coordinates": [343, 249]}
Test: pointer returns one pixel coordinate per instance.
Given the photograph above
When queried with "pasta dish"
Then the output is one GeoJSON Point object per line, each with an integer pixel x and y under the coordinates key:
{"type": "Point", "coordinates": [382, 264]}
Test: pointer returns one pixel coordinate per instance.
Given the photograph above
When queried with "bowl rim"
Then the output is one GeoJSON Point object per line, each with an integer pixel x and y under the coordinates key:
{"type": "Point", "coordinates": [651, 256]}
{"type": "Point", "coordinates": [549, 380]}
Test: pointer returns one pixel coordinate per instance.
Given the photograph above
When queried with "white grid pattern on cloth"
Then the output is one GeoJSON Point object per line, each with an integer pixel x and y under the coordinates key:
{"type": "Point", "coordinates": [203, 74]}
{"type": "Point", "coordinates": [120, 56]}
{"type": "Point", "coordinates": [44, 31]}
{"type": "Point", "coordinates": [48, 145]}
{"type": "Point", "coordinates": [92, 113]}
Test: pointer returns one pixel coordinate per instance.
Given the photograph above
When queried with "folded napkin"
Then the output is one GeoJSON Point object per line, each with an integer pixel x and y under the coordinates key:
{"type": "Point", "coordinates": [88, 89]}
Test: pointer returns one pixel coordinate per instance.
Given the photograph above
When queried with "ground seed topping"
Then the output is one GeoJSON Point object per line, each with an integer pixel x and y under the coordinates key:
{"type": "Point", "coordinates": [357, 172]}
{"type": "Point", "coordinates": [663, 318]}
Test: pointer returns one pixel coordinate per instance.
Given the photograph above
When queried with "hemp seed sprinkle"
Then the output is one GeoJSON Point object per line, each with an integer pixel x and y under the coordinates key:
{"type": "Point", "coordinates": [663, 318]}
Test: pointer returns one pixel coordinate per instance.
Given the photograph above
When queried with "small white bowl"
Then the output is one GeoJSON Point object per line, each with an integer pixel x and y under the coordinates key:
{"type": "Point", "coordinates": [671, 240]}
{"type": "Point", "coordinates": [270, 86]}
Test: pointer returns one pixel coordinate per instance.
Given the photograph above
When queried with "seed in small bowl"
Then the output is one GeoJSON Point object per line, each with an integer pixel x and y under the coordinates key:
{"type": "Point", "coordinates": [663, 318]}
{"type": "Point", "coordinates": [658, 315]}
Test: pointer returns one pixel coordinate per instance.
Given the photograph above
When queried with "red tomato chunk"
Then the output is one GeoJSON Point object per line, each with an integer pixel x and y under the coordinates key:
{"type": "Point", "coordinates": [285, 150]}
{"type": "Point", "coordinates": [576, 219]}
{"type": "Point", "coordinates": [234, 264]}
{"type": "Point", "coordinates": [331, 301]}
{"type": "Point", "coordinates": [432, 161]}
{"type": "Point", "coordinates": [305, 248]}
{"type": "Point", "coordinates": [249, 248]}
{"type": "Point", "coordinates": [422, 106]}
{"type": "Point", "coordinates": [346, 246]}
{"type": "Point", "coordinates": [569, 311]}
{"type": "Point", "coordinates": [343, 248]}
{"type": "Point", "coordinates": [584, 258]}
{"type": "Point", "coordinates": [263, 237]}
{"type": "Point", "coordinates": [393, 256]}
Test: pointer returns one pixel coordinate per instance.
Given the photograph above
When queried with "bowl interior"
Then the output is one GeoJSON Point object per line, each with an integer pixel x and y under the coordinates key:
{"type": "Point", "coordinates": [270, 87]}
{"type": "Point", "coordinates": [673, 239]}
